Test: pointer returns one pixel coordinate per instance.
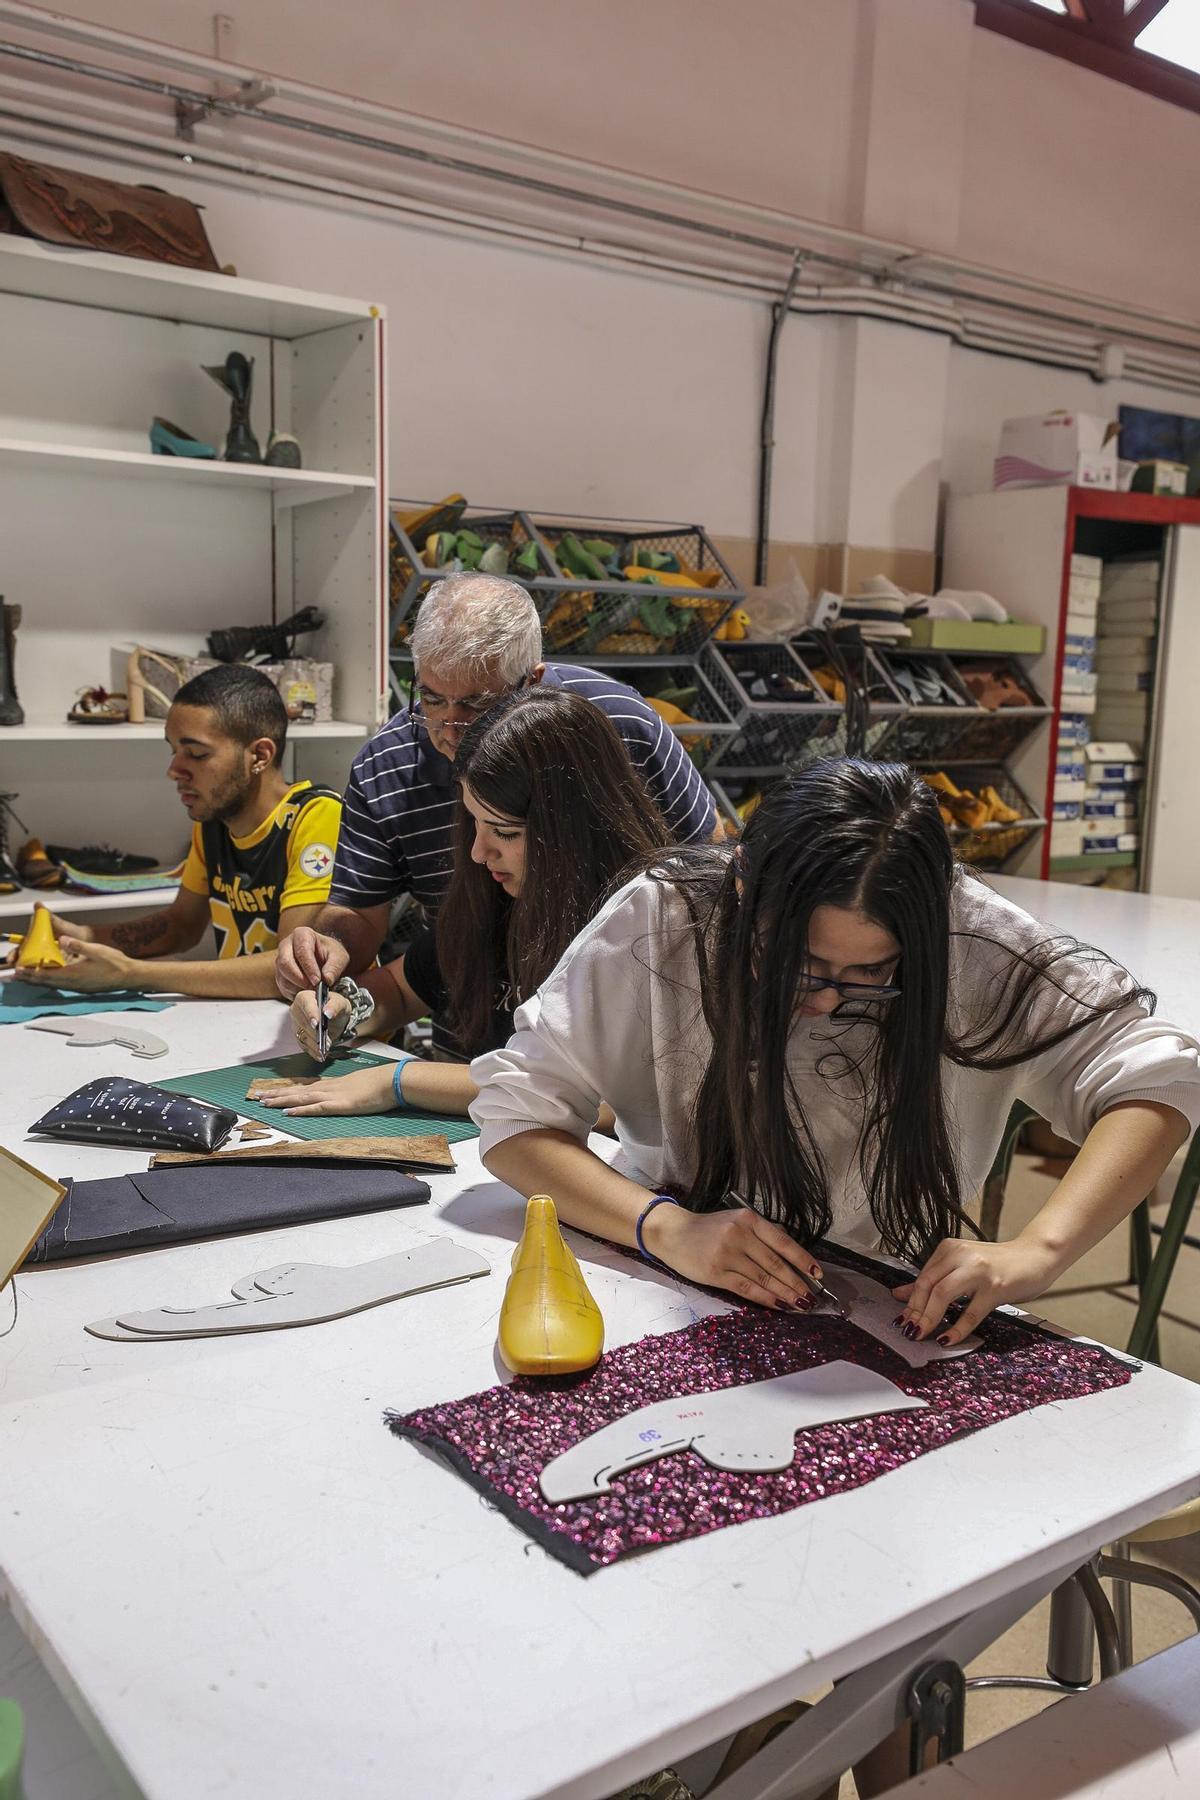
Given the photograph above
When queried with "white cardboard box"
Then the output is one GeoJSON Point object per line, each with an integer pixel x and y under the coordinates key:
{"type": "Point", "coordinates": [1088, 566]}
{"type": "Point", "coordinates": [1057, 447]}
{"type": "Point", "coordinates": [1066, 838]}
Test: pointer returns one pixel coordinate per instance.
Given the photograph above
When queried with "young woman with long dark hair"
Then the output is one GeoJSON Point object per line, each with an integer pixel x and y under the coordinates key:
{"type": "Point", "coordinates": [833, 1021]}
{"type": "Point", "coordinates": [550, 815]}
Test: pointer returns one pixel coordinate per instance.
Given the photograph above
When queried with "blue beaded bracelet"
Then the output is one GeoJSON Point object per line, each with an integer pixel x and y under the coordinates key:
{"type": "Point", "coordinates": [658, 1200]}
{"type": "Point", "coordinates": [404, 1057]}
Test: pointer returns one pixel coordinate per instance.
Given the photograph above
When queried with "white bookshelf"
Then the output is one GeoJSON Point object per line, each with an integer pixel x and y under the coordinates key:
{"type": "Point", "coordinates": [289, 487]}
{"type": "Point", "coordinates": [79, 906]}
{"type": "Point", "coordinates": [89, 737]}
{"type": "Point", "coordinates": [104, 545]}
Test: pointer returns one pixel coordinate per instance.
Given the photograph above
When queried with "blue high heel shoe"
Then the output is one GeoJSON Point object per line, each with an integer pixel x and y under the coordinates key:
{"type": "Point", "coordinates": [168, 440]}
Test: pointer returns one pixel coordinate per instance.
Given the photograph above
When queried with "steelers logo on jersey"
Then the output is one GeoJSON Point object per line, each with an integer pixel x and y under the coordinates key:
{"type": "Point", "coordinates": [316, 860]}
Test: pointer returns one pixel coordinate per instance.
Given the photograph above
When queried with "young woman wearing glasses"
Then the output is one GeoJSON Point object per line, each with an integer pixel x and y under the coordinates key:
{"type": "Point", "coordinates": [550, 814]}
{"type": "Point", "coordinates": [834, 1022]}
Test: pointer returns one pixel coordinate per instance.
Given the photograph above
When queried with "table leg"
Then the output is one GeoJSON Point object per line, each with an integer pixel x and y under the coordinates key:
{"type": "Point", "coordinates": [866, 1705]}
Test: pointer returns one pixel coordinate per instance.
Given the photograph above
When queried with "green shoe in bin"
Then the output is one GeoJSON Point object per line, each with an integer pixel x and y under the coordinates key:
{"type": "Point", "coordinates": [659, 616]}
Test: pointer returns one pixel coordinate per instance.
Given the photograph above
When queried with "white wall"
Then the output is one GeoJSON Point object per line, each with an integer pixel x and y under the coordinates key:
{"type": "Point", "coordinates": [521, 378]}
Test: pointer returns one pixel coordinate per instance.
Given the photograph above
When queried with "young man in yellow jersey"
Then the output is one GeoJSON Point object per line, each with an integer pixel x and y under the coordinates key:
{"type": "Point", "coordinates": [260, 861]}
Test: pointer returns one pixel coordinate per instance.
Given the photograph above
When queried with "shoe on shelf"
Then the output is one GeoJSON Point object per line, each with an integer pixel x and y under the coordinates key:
{"type": "Point", "coordinates": [96, 706]}
{"type": "Point", "coordinates": [35, 867]}
{"type": "Point", "coordinates": [171, 440]}
{"type": "Point", "coordinates": [11, 712]}
{"type": "Point", "coordinates": [101, 859]}
{"type": "Point", "coordinates": [283, 451]}
{"type": "Point", "coordinates": [10, 881]}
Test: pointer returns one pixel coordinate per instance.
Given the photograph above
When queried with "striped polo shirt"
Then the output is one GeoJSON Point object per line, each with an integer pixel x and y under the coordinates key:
{"type": "Point", "coordinates": [398, 814]}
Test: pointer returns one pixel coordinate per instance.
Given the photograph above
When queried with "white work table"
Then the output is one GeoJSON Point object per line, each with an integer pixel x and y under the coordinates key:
{"type": "Point", "coordinates": [247, 1588]}
{"type": "Point", "coordinates": [1157, 938]}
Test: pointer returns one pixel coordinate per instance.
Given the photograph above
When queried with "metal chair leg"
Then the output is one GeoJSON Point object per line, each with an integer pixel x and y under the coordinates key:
{"type": "Point", "coordinates": [1141, 1244]}
{"type": "Point", "coordinates": [1122, 1571]}
{"type": "Point", "coordinates": [1122, 1600]}
{"type": "Point", "coordinates": [992, 1202]}
{"type": "Point", "coordinates": [1081, 1620]}
{"type": "Point", "coordinates": [1143, 1339]}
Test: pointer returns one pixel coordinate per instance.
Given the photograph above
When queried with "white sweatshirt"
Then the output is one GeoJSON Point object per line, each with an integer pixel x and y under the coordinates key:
{"type": "Point", "coordinates": [619, 1018]}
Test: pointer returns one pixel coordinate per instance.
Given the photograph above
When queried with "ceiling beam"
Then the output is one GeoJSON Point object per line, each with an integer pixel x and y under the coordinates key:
{"type": "Point", "coordinates": [1067, 37]}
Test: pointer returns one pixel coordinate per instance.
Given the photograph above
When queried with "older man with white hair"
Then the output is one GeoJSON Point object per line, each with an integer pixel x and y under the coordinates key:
{"type": "Point", "coordinates": [477, 638]}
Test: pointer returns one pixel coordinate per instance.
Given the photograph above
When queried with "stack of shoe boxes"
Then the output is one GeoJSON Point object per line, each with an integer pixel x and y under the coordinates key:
{"type": "Point", "coordinates": [1110, 799]}
{"type": "Point", "coordinates": [1126, 629]}
{"type": "Point", "coordinates": [1127, 625]}
{"type": "Point", "coordinates": [1077, 706]}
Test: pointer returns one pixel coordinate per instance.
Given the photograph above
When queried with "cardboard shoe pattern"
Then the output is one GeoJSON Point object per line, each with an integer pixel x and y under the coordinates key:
{"type": "Point", "coordinates": [302, 1294]}
{"type": "Point", "coordinates": [748, 1430]}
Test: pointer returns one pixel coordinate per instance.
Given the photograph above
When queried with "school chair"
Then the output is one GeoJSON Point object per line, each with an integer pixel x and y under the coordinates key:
{"type": "Point", "coordinates": [12, 1750]}
{"type": "Point", "coordinates": [1150, 1269]}
{"type": "Point", "coordinates": [1083, 1620]}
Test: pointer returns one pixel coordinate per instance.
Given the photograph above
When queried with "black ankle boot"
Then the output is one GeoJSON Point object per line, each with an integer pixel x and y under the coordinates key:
{"type": "Point", "coordinates": [11, 710]}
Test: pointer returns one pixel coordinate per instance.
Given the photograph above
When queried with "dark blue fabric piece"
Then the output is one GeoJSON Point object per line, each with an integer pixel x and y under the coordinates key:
{"type": "Point", "coordinates": [197, 1200]}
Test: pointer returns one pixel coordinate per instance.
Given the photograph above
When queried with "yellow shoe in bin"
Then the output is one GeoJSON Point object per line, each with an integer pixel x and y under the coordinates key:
{"type": "Point", "coordinates": [1001, 812]}
{"type": "Point", "coordinates": [942, 784]}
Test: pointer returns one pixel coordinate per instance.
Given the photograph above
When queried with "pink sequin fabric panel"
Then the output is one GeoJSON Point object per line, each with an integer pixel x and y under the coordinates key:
{"type": "Point", "coordinates": [501, 1439]}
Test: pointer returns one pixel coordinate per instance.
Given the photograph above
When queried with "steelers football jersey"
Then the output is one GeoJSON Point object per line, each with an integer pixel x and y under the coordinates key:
{"type": "Point", "coordinates": [249, 881]}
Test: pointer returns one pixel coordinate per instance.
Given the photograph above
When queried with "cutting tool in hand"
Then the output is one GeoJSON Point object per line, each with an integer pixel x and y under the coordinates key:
{"type": "Point", "coordinates": [322, 1021]}
{"type": "Point", "coordinates": [816, 1288]}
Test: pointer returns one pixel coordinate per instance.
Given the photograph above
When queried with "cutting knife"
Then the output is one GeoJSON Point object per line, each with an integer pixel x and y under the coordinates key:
{"type": "Point", "coordinates": [816, 1288]}
{"type": "Point", "coordinates": [322, 1021]}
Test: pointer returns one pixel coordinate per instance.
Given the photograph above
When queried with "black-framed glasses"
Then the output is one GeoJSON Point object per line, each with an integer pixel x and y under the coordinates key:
{"type": "Point", "coordinates": [426, 706]}
{"type": "Point", "coordinates": [854, 991]}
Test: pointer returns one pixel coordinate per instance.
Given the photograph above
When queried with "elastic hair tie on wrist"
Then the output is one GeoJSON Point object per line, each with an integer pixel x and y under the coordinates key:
{"type": "Point", "coordinates": [402, 1061]}
{"type": "Point", "coordinates": [658, 1200]}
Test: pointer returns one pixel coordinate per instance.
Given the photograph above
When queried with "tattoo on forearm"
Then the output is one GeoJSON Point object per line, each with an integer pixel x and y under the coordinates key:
{"type": "Point", "coordinates": [140, 937]}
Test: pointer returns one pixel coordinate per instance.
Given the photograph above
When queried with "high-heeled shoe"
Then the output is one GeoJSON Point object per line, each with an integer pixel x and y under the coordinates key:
{"type": "Point", "coordinates": [171, 440]}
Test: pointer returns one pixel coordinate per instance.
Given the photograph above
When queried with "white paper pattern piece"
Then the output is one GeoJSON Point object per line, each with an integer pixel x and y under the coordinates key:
{"type": "Point", "coordinates": [873, 1308]}
{"type": "Point", "coordinates": [750, 1428]}
{"type": "Point", "coordinates": [302, 1294]}
{"type": "Point", "coordinates": [87, 1032]}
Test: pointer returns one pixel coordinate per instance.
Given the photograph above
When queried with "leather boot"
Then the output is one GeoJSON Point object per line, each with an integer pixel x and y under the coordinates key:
{"type": "Point", "coordinates": [236, 376]}
{"type": "Point", "coordinates": [11, 710]}
{"type": "Point", "coordinates": [10, 881]}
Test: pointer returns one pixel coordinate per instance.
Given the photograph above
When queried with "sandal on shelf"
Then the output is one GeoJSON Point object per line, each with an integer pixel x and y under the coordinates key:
{"type": "Point", "coordinates": [96, 706]}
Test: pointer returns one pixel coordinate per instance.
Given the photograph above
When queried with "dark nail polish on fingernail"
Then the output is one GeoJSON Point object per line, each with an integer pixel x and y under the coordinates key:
{"type": "Point", "coordinates": [898, 1321]}
{"type": "Point", "coordinates": [945, 1338]}
{"type": "Point", "coordinates": [911, 1332]}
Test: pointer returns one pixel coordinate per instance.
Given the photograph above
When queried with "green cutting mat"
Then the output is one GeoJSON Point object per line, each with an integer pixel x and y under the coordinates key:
{"type": "Point", "coordinates": [227, 1087]}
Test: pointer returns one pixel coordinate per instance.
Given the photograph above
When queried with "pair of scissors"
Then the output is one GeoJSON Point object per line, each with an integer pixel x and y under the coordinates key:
{"type": "Point", "coordinates": [816, 1288]}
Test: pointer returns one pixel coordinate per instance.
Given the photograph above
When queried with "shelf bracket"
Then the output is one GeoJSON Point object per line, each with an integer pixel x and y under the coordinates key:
{"type": "Point", "coordinates": [246, 97]}
{"type": "Point", "coordinates": [226, 98]}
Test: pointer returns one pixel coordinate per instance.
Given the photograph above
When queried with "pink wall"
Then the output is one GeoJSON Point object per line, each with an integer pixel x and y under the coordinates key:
{"type": "Point", "coordinates": [1079, 179]}
{"type": "Point", "coordinates": [898, 117]}
{"type": "Point", "coordinates": [750, 98]}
